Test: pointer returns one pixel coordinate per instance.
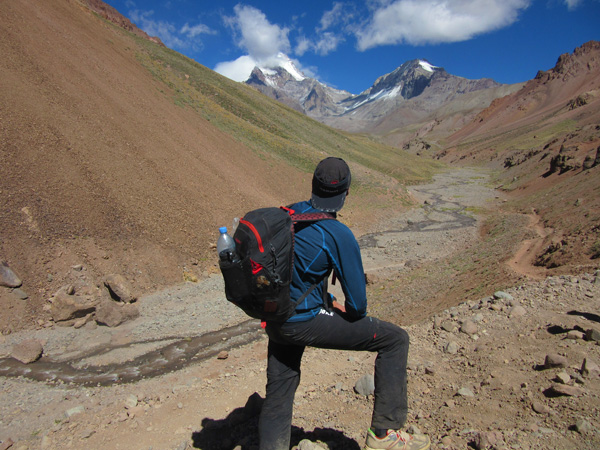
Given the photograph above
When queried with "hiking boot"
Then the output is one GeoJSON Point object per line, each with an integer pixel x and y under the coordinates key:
{"type": "Point", "coordinates": [397, 440]}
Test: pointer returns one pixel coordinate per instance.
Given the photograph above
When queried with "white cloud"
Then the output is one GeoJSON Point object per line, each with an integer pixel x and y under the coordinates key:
{"type": "Point", "coordinates": [323, 44]}
{"type": "Point", "coordinates": [265, 43]}
{"type": "Point", "coordinates": [436, 21]}
{"type": "Point", "coordinates": [332, 16]}
{"type": "Point", "coordinates": [260, 38]}
{"type": "Point", "coordinates": [164, 30]}
{"type": "Point", "coordinates": [196, 30]}
{"type": "Point", "coordinates": [167, 32]}
{"type": "Point", "coordinates": [325, 41]}
{"type": "Point", "coordinates": [238, 70]}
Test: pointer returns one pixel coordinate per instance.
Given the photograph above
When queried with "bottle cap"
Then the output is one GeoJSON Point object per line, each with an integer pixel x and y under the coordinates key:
{"type": "Point", "coordinates": [223, 230]}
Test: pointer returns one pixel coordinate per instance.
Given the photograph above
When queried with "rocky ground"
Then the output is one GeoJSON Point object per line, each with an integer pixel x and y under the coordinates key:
{"type": "Point", "coordinates": [515, 369]}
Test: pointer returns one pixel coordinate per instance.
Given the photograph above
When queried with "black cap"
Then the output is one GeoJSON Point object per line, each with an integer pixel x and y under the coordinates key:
{"type": "Point", "coordinates": [330, 184]}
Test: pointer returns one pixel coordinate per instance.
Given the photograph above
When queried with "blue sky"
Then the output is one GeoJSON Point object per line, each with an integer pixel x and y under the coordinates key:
{"type": "Point", "coordinates": [349, 44]}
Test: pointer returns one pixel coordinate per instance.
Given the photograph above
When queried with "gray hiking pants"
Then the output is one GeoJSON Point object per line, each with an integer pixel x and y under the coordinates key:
{"type": "Point", "coordinates": [330, 330]}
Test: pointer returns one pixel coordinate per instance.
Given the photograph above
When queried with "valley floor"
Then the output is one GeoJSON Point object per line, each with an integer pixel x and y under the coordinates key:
{"type": "Point", "coordinates": [476, 368]}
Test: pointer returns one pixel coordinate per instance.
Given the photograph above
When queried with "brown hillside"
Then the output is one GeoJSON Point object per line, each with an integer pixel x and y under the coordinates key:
{"type": "Point", "coordinates": [544, 140]}
{"type": "Point", "coordinates": [101, 170]}
{"type": "Point", "coordinates": [574, 81]}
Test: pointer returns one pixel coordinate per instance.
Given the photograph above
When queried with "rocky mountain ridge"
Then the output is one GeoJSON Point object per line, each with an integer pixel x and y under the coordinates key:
{"type": "Point", "coordinates": [407, 95]}
{"type": "Point", "coordinates": [112, 15]}
{"type": "Point", "coordinates": [285, 83]}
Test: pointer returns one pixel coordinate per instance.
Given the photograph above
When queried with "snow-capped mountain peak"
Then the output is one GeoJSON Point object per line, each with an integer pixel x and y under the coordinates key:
{"type": "Point", "coordinates": [273, 68]}
{"type": "Point", "coordinates": [291, 68]}
{"type": "Point", "coordinates": [426, 66]}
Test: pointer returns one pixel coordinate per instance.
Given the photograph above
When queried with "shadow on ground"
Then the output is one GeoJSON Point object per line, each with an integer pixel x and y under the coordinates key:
{"type": "Point", "coordinates": [240, 430]}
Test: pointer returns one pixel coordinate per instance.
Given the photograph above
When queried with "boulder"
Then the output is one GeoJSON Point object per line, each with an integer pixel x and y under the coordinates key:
{"type": "Point", "coordinates": [66, 307]}
{"type": "Point", "coordinates": [119, 288]}
{"type": "Point", "coordinates": [112, 314]}
{"type": "Point", "coordinates": [27, 351]}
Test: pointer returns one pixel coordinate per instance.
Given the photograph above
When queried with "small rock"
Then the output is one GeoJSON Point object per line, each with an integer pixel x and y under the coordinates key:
{"type": "Point", "coordinates": [555, 360]}
{"type": "Point", "coordinates": [448, 326]}
{"type": "Point", "coordinates": [77, 410]}
{"type": "Point", "coordinates": [517, 311]}
{"type": "Point", "coordinates": [77, 267]}
{"type": "Point", "coordinates": [80, 322]}
{"type": "Point", "coordinates": [413, 429]}
{"type": "Point", "coordinates": [184, 446]}
{"type": "Point", "coordinates": [468, 327]}
{"type": "Point", "coordinates": [21, 294]}
{"type": "Point", "coordinates": [465, 392]}
{"type": "Point", "coordinates": [7, 277]}
{"type": "Point", "coordinates": [592, 335]}
{"type": "Point", "coordinates": [131, 401]}
{"type": "Point", "coordinates": [223, 355]}
{"type": "Point", "coordinates": [563, 378]}
{"type": "Point", "coordinates": [365, 385]}
{"type": "Point", "coordinates": [27, 351]}
{"type": "Point", "coordinates": [501, 295]}
{"type": "Point", "coordinates": [575, 334]}
{"type": "Point", "coordinates": [540, 407]}
{"type": "Point", "coordinates": [557, 390]}
{"type": "Point", "coordinates": [306, 444]}
{"type": "Point", "coordinates": [480, 441]}
{"type": "Point", "coordinates": [589, 368]}
{"type": "Point", "coordinates": [478, 318]}
{"type": "Point", "coordinates": [582, 426]}
{"type": "Point", "coordinates": [451, 348]}
{"type": "Point", "coordinates": [447, 441]}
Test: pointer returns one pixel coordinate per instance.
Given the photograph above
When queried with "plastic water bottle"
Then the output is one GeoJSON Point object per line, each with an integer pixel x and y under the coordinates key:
{"type": "Point", "coordinates": [234, 225]}
{"type": "Point", "coordinates": [225, 246]}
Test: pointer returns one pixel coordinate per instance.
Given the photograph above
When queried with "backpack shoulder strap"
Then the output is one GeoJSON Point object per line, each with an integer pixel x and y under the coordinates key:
{"type": "Point", "coordinates": [307, 218]}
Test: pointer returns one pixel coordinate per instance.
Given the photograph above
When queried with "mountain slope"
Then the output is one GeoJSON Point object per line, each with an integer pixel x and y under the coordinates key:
{"type": "Point", "coordinates": [545, 142]}
{"type": "Point", "coordinates": [120, 155]}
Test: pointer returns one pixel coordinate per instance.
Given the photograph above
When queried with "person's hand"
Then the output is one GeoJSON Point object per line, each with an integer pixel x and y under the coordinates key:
{"type": "Point", "coordinates": [339, 306]}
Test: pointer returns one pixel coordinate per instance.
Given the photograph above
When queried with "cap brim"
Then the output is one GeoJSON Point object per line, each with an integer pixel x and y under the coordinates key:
{"type": "Point", "coordinates": [328, 204]}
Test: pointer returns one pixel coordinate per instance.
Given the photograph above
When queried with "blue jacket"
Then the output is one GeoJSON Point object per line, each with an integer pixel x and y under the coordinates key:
{"type": "Point", "coordinates": [318, 248]}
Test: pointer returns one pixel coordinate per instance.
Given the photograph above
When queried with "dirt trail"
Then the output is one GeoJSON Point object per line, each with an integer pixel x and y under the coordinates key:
{"type": "Point", "coordinates": [523, 262]}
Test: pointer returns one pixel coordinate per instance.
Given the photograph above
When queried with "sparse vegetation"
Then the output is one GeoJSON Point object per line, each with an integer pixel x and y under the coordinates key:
{"type": "Point", "coordinates": [269, 127]}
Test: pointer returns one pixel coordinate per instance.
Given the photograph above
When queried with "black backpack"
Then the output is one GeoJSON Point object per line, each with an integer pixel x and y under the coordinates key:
{"type": "Point", "coordinates": [258, 276]}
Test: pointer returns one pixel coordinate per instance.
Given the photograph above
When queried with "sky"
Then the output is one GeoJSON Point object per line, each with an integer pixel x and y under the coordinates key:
{"type": "Point", "coordinates": [349, 44]}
